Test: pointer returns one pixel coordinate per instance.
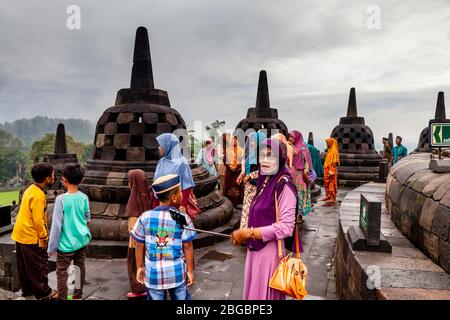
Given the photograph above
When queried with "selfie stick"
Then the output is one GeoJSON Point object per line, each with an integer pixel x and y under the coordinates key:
{"type": "Point", "coordinates": [181, 221]}
{"type": "Point", "coordinates": [209, 232]}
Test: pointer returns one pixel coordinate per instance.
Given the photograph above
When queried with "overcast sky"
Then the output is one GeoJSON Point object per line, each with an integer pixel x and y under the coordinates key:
{"type": "Point", "coordinates": [207, 55]}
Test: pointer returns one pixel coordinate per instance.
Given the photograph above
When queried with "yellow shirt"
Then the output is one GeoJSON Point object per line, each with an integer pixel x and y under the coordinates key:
{"type": "Point", "coordinates": [31, 223]}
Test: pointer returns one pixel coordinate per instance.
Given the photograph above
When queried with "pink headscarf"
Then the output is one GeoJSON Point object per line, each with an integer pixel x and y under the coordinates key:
{"type": "Point", "coordinates": [301, 150]}
{"type": "Point", "coordinates": [209, 151]}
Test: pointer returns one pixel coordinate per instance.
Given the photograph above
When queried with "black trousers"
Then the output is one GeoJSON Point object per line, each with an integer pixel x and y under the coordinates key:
{"type": "Point", "coordinates": [32, 265]}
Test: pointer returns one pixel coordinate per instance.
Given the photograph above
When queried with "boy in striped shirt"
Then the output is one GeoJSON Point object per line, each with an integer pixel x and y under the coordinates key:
{"type": "Point", "coordinates": [165, 248]}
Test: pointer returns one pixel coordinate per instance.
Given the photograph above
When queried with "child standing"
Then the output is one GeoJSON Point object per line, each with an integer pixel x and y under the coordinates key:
{"type": "Point", "coordinates": [168, 249]}
{"type": "Point", "coordinates": [31, 235]}
{"type": "Point", "coordinates": [70, 233]}
{"type": "Point", "coordinates": [140, 200]}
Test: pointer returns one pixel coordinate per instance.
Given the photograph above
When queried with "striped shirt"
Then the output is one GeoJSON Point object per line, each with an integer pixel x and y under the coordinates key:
{"type": "Point", "coordinates": [165, 265]}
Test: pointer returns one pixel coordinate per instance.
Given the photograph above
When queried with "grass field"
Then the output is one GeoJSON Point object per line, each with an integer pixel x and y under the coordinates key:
{"type": "Point", "coordinates": [7, 197]}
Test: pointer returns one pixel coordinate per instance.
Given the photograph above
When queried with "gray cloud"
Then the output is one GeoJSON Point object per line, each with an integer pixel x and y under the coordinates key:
{"type": "Point", "coordinates": [207, 55]}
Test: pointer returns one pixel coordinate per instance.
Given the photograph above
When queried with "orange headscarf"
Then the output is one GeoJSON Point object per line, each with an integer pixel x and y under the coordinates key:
{"type": "Point", "coordinates": [289, 147]}
{"type": "Point", "coordinates": [332, 156]}
{"type": "Point", "coordinates": [234, 154]}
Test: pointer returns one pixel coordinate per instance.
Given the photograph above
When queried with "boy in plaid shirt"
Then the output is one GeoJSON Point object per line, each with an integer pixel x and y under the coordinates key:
{"type": "Point", "coordinates": [166, 248]}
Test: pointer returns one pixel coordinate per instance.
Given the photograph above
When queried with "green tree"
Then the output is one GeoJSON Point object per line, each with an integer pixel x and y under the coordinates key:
{"type": "Point", "coordinates": [214, 129]}
{"type": "Point", "coordinates": [194, 144]}
{"type": "Point", "coordinates": [46, 145]}
{"type": "Point", "coordinates": [13, 158]}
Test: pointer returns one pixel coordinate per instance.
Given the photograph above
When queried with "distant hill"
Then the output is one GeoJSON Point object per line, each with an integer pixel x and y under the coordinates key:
{"type": "Point", "coordinates": [30, 130]}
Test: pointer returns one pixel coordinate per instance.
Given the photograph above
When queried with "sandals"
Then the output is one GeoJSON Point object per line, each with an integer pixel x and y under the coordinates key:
{"type": "Point", "coordinates": [51, 296]}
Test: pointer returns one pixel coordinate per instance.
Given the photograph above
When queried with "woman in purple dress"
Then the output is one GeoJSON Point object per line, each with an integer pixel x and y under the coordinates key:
{"type": "Point", "coordinates": [263, 231]}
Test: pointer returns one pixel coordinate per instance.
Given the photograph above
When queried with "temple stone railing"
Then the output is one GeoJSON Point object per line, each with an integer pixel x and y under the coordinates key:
{"type": "Point", "coordinates": [418, 201]}
{"type": "Point", "coordinates": [406, 273]}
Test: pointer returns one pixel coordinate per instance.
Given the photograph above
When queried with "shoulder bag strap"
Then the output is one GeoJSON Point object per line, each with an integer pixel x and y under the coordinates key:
{"type": "Point", "coordinates": [280, 245]}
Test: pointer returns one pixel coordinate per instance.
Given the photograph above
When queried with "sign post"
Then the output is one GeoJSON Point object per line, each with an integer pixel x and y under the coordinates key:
{"type": "Point", "coordinates": [367, 235]}
{"type": "Point", "coordinates": [439, 133]}
{"type": "Point", "coordinates": [439, 137]}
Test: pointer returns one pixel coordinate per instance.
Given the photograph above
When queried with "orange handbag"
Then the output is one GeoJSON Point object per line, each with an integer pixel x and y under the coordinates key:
{"type": "Point", "coordinates": [290, 275]}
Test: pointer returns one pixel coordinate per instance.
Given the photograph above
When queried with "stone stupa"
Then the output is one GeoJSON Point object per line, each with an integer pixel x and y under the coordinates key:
{"type": "Point", "coordinates": [424, 143]}
{"type": "Point", "coordinates": [262, 116]}
{"type": "Point", "coordinates": [311, 139]}
{"type": "Point", "coordinates": [359, 161]}
{"type": "Point", "coordinates": [60, 157]}
{"type": "Point", "coordinates": [125, 139]}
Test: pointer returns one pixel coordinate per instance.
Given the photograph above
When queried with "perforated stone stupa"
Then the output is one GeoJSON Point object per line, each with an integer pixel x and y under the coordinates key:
{"type": "Point", "coordinates": [125, 139]}
{"type": "Point", "coordinates": [60, 157]}
{"type": "Point", "coordinates": [358, 157]}
{"type": "Point", "coordinates": [424, 143]}
{"type": "Point", "coordinates": [262, 116]}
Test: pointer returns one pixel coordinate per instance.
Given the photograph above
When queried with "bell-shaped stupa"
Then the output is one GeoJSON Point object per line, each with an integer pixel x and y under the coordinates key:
{"type": "Point", "coordinates": [262, 116]}
{"type": "Point", "coordinates": [359, 161]}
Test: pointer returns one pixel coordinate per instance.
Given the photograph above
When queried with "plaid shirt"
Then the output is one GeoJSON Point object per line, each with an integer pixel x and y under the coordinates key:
{"type": "Point", "coordinates": [165, 266]}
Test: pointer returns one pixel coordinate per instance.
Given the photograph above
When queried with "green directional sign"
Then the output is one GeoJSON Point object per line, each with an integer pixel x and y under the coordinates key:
{"type": "Point", "coordinates": [363, 216]}
{"type": "Point", "coordinates": [439, 134]}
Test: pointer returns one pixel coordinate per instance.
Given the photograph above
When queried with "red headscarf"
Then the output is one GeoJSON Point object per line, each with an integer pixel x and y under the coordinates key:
{"type": "Point", "coordinates": [140, 196]}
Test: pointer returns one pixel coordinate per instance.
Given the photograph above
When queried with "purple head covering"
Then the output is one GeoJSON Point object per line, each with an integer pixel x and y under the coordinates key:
{"type": "Point", "coordinates": [262, 210]}
{"type": "Point", "coordinates": [301, 150]}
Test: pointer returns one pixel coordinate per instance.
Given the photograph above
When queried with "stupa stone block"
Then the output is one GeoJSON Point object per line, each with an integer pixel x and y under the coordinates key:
{"type": "Point", "coordinates": [136, 154]}
{"type": "Point", "coordinates": [163, 127]}
{"type": "Point", "coordinates": [126, 117]}
{"type": "Point", "coordinates": [110, 128]}
{"type": "Point", "coordinates": [121, 140]}
{"type": "Point", "coordinates": [150, 118]}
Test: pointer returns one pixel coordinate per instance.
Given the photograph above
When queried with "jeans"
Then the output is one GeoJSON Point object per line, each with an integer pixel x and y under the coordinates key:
{"type": "Point", "coordinates": [179, 293]}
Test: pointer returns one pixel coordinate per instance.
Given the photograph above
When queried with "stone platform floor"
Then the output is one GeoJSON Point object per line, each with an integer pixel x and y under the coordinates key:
{"type": "Point", "coordinates": [220, 267]}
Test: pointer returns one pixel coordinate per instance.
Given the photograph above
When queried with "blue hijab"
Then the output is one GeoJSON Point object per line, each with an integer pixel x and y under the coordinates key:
{"type": "Point", "coordinates": [173, 161]}
{"type": "Point", "coordinates": [251, 154]}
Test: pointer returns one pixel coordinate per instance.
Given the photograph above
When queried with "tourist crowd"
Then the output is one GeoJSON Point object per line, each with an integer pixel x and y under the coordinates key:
{"type": "Point", "coordinates": [271, 177]}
